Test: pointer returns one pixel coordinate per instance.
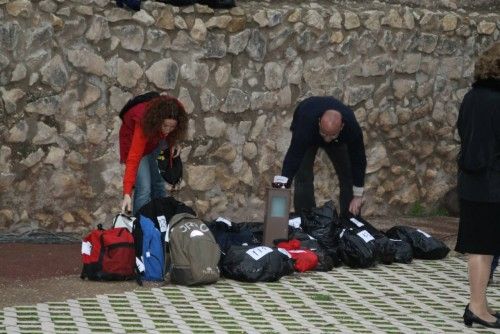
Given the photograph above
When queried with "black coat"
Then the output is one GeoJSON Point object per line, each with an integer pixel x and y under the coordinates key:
{"type": "Point", "coordinates": [305, 133]}
{"type": "Point", "coordinates": [479, 130]}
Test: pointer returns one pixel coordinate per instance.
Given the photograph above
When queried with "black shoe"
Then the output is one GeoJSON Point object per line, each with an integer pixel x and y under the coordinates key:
{"type": "Point", "coordinates": [218, 3]}
{"type": "Point", "coordinates": [470, 318]}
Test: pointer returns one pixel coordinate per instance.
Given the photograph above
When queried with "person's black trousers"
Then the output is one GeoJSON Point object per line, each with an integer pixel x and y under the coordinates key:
{"type": "Point", "coordinates": [304, 179]}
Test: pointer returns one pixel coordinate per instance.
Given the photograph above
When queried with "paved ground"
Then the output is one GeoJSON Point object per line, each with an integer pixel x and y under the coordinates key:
{"type": "Point", "coordinates": [422, 297]}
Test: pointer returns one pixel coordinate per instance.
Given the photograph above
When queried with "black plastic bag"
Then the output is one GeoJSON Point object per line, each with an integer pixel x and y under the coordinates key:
{"type": "Point", "coordinates": [385, 249]}
{"type": "Point", "coordinates": [361, 223]}
{"type": "Point", "coordinates": [404, 252]}
{"type": "Point", "coordinates": [357, 249]}
{"type": "Point", "coordinates": [230, 234]}
{"type": "Point", "coordinates": [423, 244]}
{"type": "Point", "coordinates": [322, 224]}
{"type": "Point", "coordinates": [255, 228]}
{"type": "Point", "coordinates": [256, 264]}
{"type": "Point", "coordinates": [326, 262]}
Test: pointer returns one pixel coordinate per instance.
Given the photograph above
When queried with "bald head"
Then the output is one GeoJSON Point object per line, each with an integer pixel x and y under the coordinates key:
{"type": "Point", "coordinates": [330, 125]}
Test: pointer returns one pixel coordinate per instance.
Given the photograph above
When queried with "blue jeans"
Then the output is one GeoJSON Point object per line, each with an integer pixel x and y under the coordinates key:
{"type": "Point", "coordinates": [148, 183]}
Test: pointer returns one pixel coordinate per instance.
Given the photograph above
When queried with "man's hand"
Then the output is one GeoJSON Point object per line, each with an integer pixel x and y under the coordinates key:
{"type": "Point", "coordinates": [127, 204]}
{"type": "Point", "coordinates": [355, 205]}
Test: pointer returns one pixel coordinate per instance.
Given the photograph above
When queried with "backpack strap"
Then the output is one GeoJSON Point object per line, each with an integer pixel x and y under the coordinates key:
{"type": "Point", "coordinates": [136, 100]}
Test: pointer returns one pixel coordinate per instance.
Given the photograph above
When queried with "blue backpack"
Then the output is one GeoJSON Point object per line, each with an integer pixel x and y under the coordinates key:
{"type": "Point", "coordinates": [153, 251]}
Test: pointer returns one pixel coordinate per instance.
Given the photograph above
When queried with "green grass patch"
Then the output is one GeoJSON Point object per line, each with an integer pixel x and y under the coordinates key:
{"type": "Point", "coordinates": [321, 297]}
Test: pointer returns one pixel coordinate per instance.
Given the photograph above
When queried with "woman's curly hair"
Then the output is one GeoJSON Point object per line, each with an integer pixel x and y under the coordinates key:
{"type": "Point", "coordinates": [161, 108]}
{"type": "Point", "coordinates": [488, 64]}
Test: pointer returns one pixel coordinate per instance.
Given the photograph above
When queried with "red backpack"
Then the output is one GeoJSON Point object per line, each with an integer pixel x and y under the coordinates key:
{"type": "Point", "coordinates": [108, 255]}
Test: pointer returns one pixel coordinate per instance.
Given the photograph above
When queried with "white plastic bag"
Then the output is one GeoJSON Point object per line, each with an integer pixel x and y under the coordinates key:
{"type": "Point", "coordinates": [122, 220]}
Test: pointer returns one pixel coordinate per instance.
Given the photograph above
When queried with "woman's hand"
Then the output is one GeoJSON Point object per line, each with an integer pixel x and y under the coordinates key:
{"type": "Point", "coordinates": [127, 204]}
{"type": "Point", "coordinates": [177, 151]}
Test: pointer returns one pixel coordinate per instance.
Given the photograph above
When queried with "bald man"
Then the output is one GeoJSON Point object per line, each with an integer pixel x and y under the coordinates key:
{"type": "Point", "coordinates": [322, 121]}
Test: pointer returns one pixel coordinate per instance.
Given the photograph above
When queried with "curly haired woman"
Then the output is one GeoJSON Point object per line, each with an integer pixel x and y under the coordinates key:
{"type": "Point", "coordinates": [148, 128]}
{"type": "Point", "coordinates": [479, 183]}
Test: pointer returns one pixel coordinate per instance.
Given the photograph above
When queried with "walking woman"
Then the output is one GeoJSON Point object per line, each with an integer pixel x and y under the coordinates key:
{"type": "Point", "coordinates": [479, 183]}
{"type": "Point", "coordinates": [148, 128]}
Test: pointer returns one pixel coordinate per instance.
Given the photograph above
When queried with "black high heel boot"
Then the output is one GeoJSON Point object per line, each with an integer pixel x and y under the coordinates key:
{"type": "Point", "coordinates": [470, 318]}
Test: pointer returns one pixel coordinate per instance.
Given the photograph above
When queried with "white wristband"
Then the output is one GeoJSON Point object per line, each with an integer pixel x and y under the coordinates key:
{"type": "Point", "coordinates": [357, 191]}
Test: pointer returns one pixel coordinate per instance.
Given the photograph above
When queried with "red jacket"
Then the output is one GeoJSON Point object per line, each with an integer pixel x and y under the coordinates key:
{"type": "Point", "coordinates": [134, 144]}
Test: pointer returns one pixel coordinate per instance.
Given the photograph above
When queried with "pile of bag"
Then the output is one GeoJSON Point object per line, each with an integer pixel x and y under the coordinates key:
{"type": "Point", "coordinates": [167, 237]}
{"type": "Point", "coordinates": [137, 247]}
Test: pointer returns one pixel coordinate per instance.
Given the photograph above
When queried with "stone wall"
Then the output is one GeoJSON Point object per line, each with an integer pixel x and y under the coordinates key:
{"type": "Point", "coordinates": [67, 67]}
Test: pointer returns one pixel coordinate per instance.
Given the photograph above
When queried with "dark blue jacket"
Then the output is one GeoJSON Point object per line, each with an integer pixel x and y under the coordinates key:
{"type": "Point", "coordinates": [479, 130]}
{"type": "Point", "coordinates": [305, 133]}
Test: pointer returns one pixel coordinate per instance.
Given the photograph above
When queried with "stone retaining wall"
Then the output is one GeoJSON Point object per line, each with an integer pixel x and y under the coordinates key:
{"type": "Point", "coordinates": [67, 67]}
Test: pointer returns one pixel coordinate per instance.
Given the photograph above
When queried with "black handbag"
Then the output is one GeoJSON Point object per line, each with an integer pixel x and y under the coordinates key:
{"type": "Point", "coordinates": [170, 170]}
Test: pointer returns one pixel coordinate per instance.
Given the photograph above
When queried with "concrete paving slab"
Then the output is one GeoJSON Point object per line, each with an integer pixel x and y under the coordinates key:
{"type": "Point", "coordinates": [422, 297]}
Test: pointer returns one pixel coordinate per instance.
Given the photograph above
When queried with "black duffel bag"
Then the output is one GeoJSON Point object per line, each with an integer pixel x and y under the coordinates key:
{"type": "Point", "coordinates": [326, 261]}
{"type": "Point", "coordinates": [423, 244]}
{"type": "Point", "coordinates": [357, 248]}
{"type": "Point", "coordinates": [256, 264]}
{"type": "Point", "coordinates": [388, 250]}
{"type": "Point", "coordinates": [322, 223]}
{"type": "Point", "coordinates": [403, 251]}
{"type": "Point", "coordinates": [229, 234]}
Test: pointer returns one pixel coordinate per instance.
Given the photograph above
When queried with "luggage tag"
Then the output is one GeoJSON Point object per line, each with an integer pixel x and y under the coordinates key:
{"type": "Point", "coordinates": [140, 265]}
{"type": "Point", "coordinates": [162, 221]}
{"type": "Point", "coordinates": [295, 222]}
{"type": "Point", "coordinates": [86, 247]}
{"type": "Point", "coordinates": [258, 252]}
{"type": "Point", "coordinates": [356, 222]}
{"type": "Point", "coordinates": [366, 236]}
{"type": "Point", "coordinates": [427, 235]}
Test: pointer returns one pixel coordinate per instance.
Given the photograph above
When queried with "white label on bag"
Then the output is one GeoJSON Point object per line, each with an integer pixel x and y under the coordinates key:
{"type": "Point", "coordinates": [162, 221]}
{"type": "Point", "coordinates": [224, 220]}
{"type": "Point", "coordinates": [258, 252]}
{"type": "Point", "coordinates": [148, 254]}
{"type": "Point", "coordinates": [366, 236]}
{"type": "Point", "coordinates": [139, 265]}
{"type": "Point", "coordinates": [295, 222]}
{"type": "Point", "coordinates": [395, 239]}
{"type": "Point", "coordinates": [357, 222]}
{"type": "Point", "coordinates": [342, 233]}
{"type": "Point", "coordinates": [284, 251]}
{"type": "Point", "coordinates": [427, 235]}
{"type": "Point", "coordinates": [86, 247]}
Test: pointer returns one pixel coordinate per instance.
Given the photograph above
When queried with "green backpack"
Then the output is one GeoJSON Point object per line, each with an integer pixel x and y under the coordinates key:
{"type": "Point", "coordinates": [194, 253]}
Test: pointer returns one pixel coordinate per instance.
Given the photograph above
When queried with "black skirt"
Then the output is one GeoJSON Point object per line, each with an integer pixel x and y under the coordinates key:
{"type": "Point", "coordinates": [479, 228]}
